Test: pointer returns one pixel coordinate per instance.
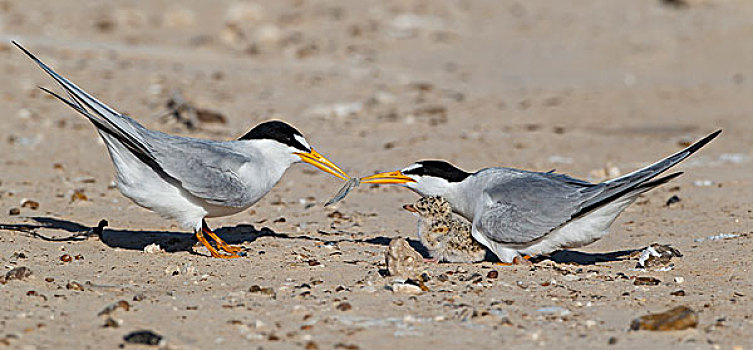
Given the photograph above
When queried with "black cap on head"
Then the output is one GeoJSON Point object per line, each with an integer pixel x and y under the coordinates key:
{"type": "Point", "coordinates": [278, 131]}
{"type": "Point", "coordinates": [437, 168]}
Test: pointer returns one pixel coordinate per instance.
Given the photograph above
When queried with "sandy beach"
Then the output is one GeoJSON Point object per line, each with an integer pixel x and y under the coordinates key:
{"type": "Point", "coordinates": [593, 89]}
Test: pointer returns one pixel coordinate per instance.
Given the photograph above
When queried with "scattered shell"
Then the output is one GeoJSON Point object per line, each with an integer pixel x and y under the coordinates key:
{"type": "Point", "coordinates": [28, 203]}
{"type": "Point", "coordinates": [679, 318]}
{"type": "Point", "coordinates": [78, 195]}
{"type": "Point", "coordinates": [66, 258]}
{"type": "Point", "coordinates": [402, 259]}
{"type": "Point", "coordinates": [339, 110]}
{"type": "Point", "coordinates": [405, 288]}
{"type": "Point", "coordinates": [184, 269]}
{"type": "Point", "coordinates": [262, 290]}
{"type": "Point", "coordinates": [18, 273]}
{"type": "Point", "coordinates": [153, 248]}
{"type": "Point", "coordinates": [557, 159]}
{"type": "Point", "coordinates": [646, 281]}
{"type": "Point", "coordinates": [14, 211]}
{"type": "Point", "coordinates": [657, 255]}
{"type": "Point", "coordinates": [736, 158]}
{"type": "Point", "coordinates": [73, 285]}
{"type": "Point", "coordinates": [113, 307]}
{"type": "Point", "coordinates": [143, 337]}
{"type": "Point", "coordinates": [718, 237]}
{"type": "Point", "coordinates": [555, 310]}
{"type": "Point", "coordinates": [112, 323]}
{"type": "Point", "coordinates": [492, 274]}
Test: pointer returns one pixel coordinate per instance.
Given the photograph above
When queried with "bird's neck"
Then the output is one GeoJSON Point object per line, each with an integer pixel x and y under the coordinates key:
{"type": "Point", "coordinates": [463, 196]}
{"type": "Point", "coordinates": [267, 163]}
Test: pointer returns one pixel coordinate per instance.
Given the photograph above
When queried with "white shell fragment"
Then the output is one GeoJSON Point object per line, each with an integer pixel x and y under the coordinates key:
{"type": "Point", "coordinates": [657, 255]}
{"type": "Point", "coordinates": [153, 248]}
{"type": "Point", "coordinates": [402, 260]}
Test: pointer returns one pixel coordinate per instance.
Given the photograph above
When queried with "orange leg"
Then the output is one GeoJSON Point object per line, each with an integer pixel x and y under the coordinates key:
{"type": "Point", "coordinates": [518, 260]}
{"type": "Point", "coordinates": [222, 245]}
{"type": "Point", "coordinates": [212, 251]}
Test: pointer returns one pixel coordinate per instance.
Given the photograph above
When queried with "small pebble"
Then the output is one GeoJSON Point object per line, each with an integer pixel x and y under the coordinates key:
{"type": "Point", "coordinates": [646, 281]}
{"type": "Point", "coordinates": [28, 203]}
{"type": "Point", "coordinates": [73, 285]}
{"type": "Point", "coordinates": [112, 323]}
{"type": "Point", "coordinates": [492, 274]}
{"type": "Point", "coordinates": [672, 200]}
{"type": "Point", "coordinates": [679, 318]}
{"type": "Point", "coordinates": [262, 290]}
{"type": "Point", "coordinates": [344, 306]}
{"type": "Point", "coordinates": [66, 258]}
{"type": "Point", "coordinates": [143, 337]}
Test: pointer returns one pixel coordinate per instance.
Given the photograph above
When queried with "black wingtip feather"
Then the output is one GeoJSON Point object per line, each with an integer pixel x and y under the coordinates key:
{"type": "Point", "coordinates": [696, 146]}
{"type": "Point", "coordinates": [661, 180]}
{"type": "Point", "coordinates": [27, 52]}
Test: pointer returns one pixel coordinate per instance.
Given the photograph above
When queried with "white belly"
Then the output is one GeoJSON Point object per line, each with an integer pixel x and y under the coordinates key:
{"type": "Point", "coordinates": [577, 233]}
{"type": "Point", "coordinates": [143, 186]}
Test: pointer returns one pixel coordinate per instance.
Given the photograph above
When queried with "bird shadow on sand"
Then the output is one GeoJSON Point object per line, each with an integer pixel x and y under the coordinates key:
{"type": "Point", "coordinates": [170, 241]}
{"type": "Point", "coordinates": [580, 258]}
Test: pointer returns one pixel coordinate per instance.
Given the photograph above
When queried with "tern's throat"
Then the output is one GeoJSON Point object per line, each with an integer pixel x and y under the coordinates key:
{"type": "Point", "coordinates": [456, 193]}
{"type": "Point", "coordinates": [463, 197]}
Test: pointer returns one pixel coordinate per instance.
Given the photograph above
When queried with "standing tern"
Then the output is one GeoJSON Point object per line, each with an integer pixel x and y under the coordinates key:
{"type": "Point", "coordinates": [188, 179]}
{"type": "Point", "coordinates": [515, 212]}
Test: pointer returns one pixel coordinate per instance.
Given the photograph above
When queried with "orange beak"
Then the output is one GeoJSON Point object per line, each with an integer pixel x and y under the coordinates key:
{"type": "Point", "coordinates": [393, 177]}
{"type": "Point", "coordinates": [319, 161]}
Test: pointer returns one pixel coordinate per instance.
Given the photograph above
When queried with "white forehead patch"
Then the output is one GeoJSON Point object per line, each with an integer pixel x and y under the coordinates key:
{"type": "Point", "coordinates": [411, 167]}
{"type": "Point", "coordinates": [302, 140]}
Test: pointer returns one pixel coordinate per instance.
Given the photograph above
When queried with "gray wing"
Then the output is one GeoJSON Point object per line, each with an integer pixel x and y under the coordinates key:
{"type": "Point", "coordinates": [527, 207]}
{"type": "Point", "coordinates": [205, 169]}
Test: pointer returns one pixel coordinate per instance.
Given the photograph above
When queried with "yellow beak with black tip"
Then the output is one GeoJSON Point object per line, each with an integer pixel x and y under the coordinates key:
{"type": "Point", "coordinates": [318, 160]}
{"type": "Point", "coordinates": [393, 177]}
